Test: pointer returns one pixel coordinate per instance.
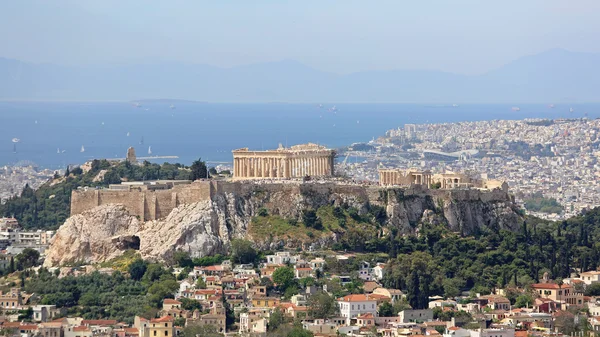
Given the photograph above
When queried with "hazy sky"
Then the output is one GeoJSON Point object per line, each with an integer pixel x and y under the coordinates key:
{"type": "Point", "coordinates": [463, 36]}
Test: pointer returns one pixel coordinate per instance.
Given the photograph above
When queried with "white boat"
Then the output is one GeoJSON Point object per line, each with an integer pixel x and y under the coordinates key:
{"type": "Point", "coordinates": [455, 105]}
{"type": "Point", "coordinates": [127, 134]}
{"type": "Point", "coordinates": [149, 149]}
{"type": "Point", "coordinates": [57, 150]}
{"type": "Point", "coordinates": [516, 108]}
{"type": "Point", "coordinates": [551, 106]}
{"type": "Point", "coordinates": [172, 106]}
{"type": "Point", "coordinates": [571, 110]}
{"type": "Point", "coordinates": [16, 140]}
{"type": "Point", "coordinates": [82, 149]}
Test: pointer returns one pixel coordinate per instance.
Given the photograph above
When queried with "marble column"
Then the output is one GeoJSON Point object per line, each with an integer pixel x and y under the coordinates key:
{"type": "Point", "coordinates": [269, 168]}
{"type": "Point", "coordinates": [319, 166]}
{"type": "Point", "coordinates": [279, 168]}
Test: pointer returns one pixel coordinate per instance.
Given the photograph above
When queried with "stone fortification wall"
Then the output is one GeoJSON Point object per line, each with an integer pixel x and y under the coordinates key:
{"type": "Point", "coordinates": [147, 205]}
{"type": "Point", "coordinates": [152, 205]}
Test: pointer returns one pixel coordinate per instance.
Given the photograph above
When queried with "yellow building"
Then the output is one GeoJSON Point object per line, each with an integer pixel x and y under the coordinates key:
{"type": "Point", "coordinates": [263, 301]}
{"type": "Point", "coordinates": [562, 293]}
{"type": "Point", "coordinates": [162, 327]}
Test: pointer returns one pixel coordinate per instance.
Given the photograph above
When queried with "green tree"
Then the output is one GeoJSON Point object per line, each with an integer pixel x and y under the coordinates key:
{"type": "Point", "coordinates": [137, 269]}
{"type": "Point", "coordinates": [524, 300]}
{"type": "Point", "coordinates": [190, 304]}
{"type": "Point", "coordinates": [200, 284]}
{"type": "Point", "coordinates": [111, 177]}
{"type": "Point", "coordinates": [26, 314]}
{"type": "Point", "coordinates": [182, 259]}
{"type": "Point", "coordinates": [310, 219]}
{"type": "Point", "coordinates": [322, 305]}
{"type": "Point", "coordinates": [284, 277]}
{"type": "Point", "coordinates": [27, 258]}
{"type": "Point", "coordinates": [242, 251]}
{"type": "Point", "coordinates": [386, 310]}
{"type": "Point", "coordinates": [275, 320]}
{"type": "Point", "coordinates": [592, 290]}
{"type": "Point", "coordinates": [298, 331]}
{"type": "Point", "coordinates": [198, 170]}
{"type": "Point", "coordinates": [179, 321]}
{"type": "Point", "coordinates": [11, 265]}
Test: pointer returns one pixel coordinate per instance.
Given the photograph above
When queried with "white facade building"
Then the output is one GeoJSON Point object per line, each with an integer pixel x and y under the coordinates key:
{"type": "Point", "coordinates": [355, 305]}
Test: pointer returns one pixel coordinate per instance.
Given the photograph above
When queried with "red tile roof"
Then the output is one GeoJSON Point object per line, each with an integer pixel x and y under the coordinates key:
{"type": "Point", "coordinates": [357, 298]}
{"type": "Point", "coordinates": [28, 327]}
{"type": "Point", "coordinates": [170, 301]}
{"type": "Point", "coordinates": [98, 322]}
{"type": "Point", "coordinates": [162, 319]}
{"type": "Point", "coordinates": [131, 331]}
{"type": "Point", "coordinates": [550, 286]}
{"type": "Point", "coordinates": [81, 328]}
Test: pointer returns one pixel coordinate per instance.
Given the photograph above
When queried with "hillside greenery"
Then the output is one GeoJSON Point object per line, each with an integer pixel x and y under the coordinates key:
{"type": "Point", "coordinates": [360, 232]}
{"type": "Point", "coordinates": [538, 203]}
{"type": "Point", "coordinates": [438, 262]}
{"type": "Point", "coordinates": [49, 206]}
{"type": "Point", "coordinates": [98, 295]}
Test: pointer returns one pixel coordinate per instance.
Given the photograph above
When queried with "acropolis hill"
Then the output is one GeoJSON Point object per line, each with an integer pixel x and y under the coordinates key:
{"type": "Point", "coordinates": [202, 217]}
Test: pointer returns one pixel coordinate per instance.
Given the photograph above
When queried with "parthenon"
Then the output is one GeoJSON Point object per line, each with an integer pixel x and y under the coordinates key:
{"type": "Point", "coordinates": [294, 162]}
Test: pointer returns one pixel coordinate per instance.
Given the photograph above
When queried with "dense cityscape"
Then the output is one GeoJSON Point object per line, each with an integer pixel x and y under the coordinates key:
{"type": "Point", "coordinates": [557, 159]}
{"type": "Point", "coordinates": [300, 168]}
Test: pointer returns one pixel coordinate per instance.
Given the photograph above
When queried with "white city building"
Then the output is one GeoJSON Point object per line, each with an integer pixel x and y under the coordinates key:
{"type": "Point", "coordinates": [355, 305]}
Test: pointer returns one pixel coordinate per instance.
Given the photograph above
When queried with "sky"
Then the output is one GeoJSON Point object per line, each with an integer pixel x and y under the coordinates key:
{"type": "Point", "coordinates": [341, 36]}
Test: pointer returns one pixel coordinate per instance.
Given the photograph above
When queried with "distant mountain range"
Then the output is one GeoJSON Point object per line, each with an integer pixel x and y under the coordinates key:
{"type": "Point", "coordinates": [554, 76]}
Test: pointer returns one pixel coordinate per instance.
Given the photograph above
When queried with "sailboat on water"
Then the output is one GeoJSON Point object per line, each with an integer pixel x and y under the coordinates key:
{"type": "Point", "coordinates": [82, 149]}
{"type": "Point", "coordinates": [149, 149]}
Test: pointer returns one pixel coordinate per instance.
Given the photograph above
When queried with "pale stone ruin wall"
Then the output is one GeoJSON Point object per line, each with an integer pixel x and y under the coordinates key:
{"type": "Point", "coordinates": [147, 205]}
{"type": "Point", "coordinates": [152, 205]}
{"type": "Point", "coordinates": [410, 177]}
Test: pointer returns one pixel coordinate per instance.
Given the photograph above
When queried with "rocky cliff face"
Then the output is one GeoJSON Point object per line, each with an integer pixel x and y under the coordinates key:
{"type": "Point", "coordinates": [207, 227]}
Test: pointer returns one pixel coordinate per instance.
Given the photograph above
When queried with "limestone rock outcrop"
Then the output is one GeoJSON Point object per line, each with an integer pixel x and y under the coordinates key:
{"type": "Point", "coordinates": [207, 227]}
{"type": "Point", "coordinates": [89, 237]}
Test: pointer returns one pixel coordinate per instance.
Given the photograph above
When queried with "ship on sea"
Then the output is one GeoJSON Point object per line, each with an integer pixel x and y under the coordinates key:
{"type": "Point", "coordinates": [82, 149]}
{"type": "Point", "coordinates": [149, 149]}
{"type": "Point", "coordinates": [516, 108]}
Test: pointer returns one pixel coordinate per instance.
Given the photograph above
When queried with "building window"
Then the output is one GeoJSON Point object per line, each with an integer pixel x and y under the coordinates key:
{"type": "Point", "coordinates": [154, 332]}
{"type": "Point", "coordinates": [166, 333]}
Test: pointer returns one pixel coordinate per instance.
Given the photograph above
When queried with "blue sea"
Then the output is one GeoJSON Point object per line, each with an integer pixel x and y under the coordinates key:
{"type": "Point", "coordinates": [51, 134]}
